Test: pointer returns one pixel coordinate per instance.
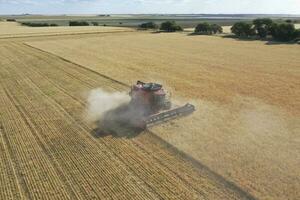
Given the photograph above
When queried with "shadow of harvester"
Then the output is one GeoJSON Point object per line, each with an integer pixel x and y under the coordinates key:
{"type": "Point", "coordinates": [123, 121]}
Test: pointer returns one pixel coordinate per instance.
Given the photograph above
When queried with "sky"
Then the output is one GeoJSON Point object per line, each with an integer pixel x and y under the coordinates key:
{"type": "Point", "coordinates": [149, 6]}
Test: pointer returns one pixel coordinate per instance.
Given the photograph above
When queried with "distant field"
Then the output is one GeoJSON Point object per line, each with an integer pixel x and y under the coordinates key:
{"type": "Point", "coordinates": [127, 22]}
{"type": "Point", "coordinates": [12, 29]}
{"type": "Point", "coordinates": [133, 20]}
{"type": "Point", "coordinates": [187, 21]}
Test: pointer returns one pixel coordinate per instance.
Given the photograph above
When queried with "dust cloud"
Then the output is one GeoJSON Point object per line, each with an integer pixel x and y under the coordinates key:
{"type": "Point", "coordinates": [100, 102]}
{"type": "Point", "coordinates": [113, 114]}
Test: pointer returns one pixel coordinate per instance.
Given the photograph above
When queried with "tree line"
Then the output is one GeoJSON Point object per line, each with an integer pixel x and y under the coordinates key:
{"type": "Point", "coordinates": [84, 23]}
{"type": "Point", "coordinates": [71, 23]}
{"type": "Point", "coordinates": [171, 26]}
{"type": "Point", "coordinates": [263, 28]}
{"type": "Point", "coordinates": [260, 28]}
{"type": "Point", "coordinates": [37, 24]}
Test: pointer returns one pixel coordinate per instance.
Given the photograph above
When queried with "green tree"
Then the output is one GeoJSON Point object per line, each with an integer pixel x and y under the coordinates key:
{"type": "Point", "coordinates": [297, 33]}
{"type": "Point", "coordinates": [288, 21]}
{"type": "Point", "coordinates": [262, 26]}
{"type": "Point", "coordinates": [148, 25]}
{"type": "Point", "coordinates": [95, 23]}
{"type": "Point", "coordinates": [208, 29]}
{"type": "Point", "coordinates": [10, 20]}
{"type": "Point", "coordinates": [284, 32]}
{"type": "Point", "coordinates": [78, 23]}
{"type": "Point", "coordinates": [243, 29]}
{"type": "Point", "coordinates": [262, 31]}
{"type": "Point", "coordinates": [170, 26]}
{"type": "Point", "coordinates": [262, 21]}
{"type": "Point", "coordinates": [203, 28]}
{"type": "Point", "coordinates": [216, 28]}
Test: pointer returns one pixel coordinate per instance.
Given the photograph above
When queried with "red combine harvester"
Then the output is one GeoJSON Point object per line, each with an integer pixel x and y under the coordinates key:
{"type": "Point", "coordinates": [153, 104]}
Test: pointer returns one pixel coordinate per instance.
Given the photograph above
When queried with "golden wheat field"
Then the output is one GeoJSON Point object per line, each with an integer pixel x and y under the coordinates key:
{"type": "Point", "coordinates": [242, 142]}
{"type": "Point", "coordinates": [15, 30]}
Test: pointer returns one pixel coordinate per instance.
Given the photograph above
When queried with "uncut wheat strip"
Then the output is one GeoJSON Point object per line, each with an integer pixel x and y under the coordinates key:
{"type": "Point", "coordinates": [29, 156]}
{"type": "Point", "coordinates": [9, 188]}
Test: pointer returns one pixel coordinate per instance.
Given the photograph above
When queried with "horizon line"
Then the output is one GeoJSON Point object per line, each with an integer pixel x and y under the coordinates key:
{"type": "Point", "coordinates": [54, 14]}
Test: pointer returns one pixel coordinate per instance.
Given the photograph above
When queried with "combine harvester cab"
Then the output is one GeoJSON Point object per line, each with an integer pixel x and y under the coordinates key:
{"type": "Point", "coordinates": [152, 105]}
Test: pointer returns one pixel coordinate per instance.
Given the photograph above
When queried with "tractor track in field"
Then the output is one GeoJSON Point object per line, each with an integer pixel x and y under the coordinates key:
{"type": "Point", "coordinates": [42, 144]}
{"type": "Point", "coordinates": [39, 92]}
{"type": "Point", "coordinates": [25, 176]}
{"type": "Point", "coordinates": [21, 186]}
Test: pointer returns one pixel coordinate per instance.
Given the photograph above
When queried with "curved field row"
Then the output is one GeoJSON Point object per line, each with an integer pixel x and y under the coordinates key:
{"type": "Point", "coordinates": [138, 156]}
{"type": "Point", "coordinates": [9, 187]}
{"type": "Point", "coordinates": [42, 180]}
